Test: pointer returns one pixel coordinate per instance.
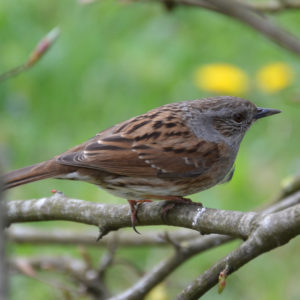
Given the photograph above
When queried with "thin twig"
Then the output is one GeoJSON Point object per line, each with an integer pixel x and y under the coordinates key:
{"type": "Point", "coordinates": [167, 266]}
{"type": "Point", "coordinates": [44, 44]}
{"type": "Point", "coordinates": [28, 266]}
{"type": "Point", "coordinates": [28, 234]}
{"type": "Point", "coordinates": [248, 15]}
{"type": "Point", "coordinates": [273, 6]}
{"type": "Point", "coordinates": [258, 22]}
{"type": "Point", "coordinates": [83, 275]}
{"type": "Point", "coordinates": [290, 186]}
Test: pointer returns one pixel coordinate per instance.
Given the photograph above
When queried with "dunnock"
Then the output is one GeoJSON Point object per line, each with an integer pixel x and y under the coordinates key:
{"type": "Point", "coordinates": [169, 152]}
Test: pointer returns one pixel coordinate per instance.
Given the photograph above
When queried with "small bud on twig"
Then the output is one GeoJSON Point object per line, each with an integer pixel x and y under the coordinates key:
{"type": "Point", "coordinates": [222, 279]}
{"type": "Point", "coordinates": [43, 46]}
{"type": "Point", "coordinates": [35, 55]}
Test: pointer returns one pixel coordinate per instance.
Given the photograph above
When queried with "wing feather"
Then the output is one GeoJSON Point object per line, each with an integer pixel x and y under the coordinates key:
{"type": "Point", "coordinates": [155, 144]}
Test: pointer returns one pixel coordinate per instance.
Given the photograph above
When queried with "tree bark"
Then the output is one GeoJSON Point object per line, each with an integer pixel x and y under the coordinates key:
{"type": "Point", "coordinates": [3, 263]}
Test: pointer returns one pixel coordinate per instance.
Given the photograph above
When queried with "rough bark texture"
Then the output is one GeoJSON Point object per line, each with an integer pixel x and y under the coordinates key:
{"type": "Point", "coordinates": [3, 266]}
{"type": "Point", "coordinates": [261, 232]}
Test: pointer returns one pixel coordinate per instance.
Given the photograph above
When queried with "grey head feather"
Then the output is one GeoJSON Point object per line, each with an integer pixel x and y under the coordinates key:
{"type": "Point", "coordinates": [212, 119]}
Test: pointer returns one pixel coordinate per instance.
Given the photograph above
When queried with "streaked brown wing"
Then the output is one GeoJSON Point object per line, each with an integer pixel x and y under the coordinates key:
{"type": "Point", "coordinates": [106, 156]}
{"type": "Point", "coordinates": [155, 144]}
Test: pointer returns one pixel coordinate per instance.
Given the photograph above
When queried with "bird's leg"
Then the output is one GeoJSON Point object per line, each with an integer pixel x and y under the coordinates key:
{"type": "Point", "coordinates": [134, 204]}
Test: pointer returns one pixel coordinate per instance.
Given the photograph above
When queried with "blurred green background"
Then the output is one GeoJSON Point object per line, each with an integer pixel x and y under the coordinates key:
{"type": "Point", "coordinates": [114, 61]}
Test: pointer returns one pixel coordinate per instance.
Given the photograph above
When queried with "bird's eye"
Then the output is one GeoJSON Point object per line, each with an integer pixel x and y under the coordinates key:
{"type": "Point", "coordinates": [238, 117]}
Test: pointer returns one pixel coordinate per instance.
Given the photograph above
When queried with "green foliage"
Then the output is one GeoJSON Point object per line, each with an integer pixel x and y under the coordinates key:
{"type": "Point", "coordinates": [114, 61]}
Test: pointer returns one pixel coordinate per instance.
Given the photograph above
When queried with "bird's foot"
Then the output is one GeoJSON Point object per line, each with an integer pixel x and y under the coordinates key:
{"type": "Point", "coordinates": [134, 204]}
{"type": "Point", "coordinates": [173, 201]}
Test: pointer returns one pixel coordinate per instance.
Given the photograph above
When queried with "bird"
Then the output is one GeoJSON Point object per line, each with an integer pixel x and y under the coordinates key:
{"type": "Point", "coordinates": [167, 153]}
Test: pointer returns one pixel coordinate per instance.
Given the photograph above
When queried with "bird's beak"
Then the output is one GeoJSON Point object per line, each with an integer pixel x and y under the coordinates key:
{"type": "Point", "coordinates": [264, 112]}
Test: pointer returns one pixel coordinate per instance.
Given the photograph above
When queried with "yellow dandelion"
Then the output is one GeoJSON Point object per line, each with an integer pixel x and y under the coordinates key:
{"type": "Point", "coordinates": [222, 78]}
{"type": "Point", "coordinates": [274, 77]}
{"type": "Point", "coordinates": [158, 293]}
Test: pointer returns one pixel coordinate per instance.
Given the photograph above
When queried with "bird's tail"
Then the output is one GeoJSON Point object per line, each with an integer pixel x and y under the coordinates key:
{"type": "Point", "coordinates": [43, 170]}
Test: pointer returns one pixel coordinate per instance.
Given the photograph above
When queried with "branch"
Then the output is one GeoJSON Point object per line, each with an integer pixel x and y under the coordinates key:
{"type": "Point", "coordinates": [290, 186]}
{"type": "Point", "coordinates": [44, 44]}
{"type": "Point", "coordinates": [185, 251]}
{"type": "Point", "coordinates": [3, 265]}
{"type": "Point", "coordinates": [271, 231]}
{"type": "Point", "coordinates": [273, 6]}
{"type": "Point", "coordinates": [112, 217]}
{"type": "Point", "coordinates": [260, 7]}
{"type": "Point", "coordinates": [22, 234]}
{"type": "Point", "coordinates": [258, 22]}
{"type": "Point", "coordinates": [249, 15]}
{"type": "Point", "coordinates": [84, 276]}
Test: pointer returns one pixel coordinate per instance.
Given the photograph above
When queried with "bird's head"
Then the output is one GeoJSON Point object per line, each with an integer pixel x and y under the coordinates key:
{"type": "Point", "coordinates": [227, 117]}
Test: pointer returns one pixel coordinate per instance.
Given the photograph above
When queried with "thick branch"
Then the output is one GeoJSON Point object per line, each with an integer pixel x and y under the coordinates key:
{"type": "Point", "coordinates": [113, 217]}
{"type": "Point", "coordinates": [21, 234]}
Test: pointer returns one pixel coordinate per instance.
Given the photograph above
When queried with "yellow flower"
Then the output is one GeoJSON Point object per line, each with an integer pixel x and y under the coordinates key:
{"type": "Point", "coordinates": [274, 77]}
{"type": "Point", "coordinates": [222, 78]}
{"type": "Point", "coordinates": [158, 293]}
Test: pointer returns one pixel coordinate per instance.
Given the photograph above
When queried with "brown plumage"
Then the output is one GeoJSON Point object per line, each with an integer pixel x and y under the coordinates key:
{"type": "Point", "coordinates": [169, 152]}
